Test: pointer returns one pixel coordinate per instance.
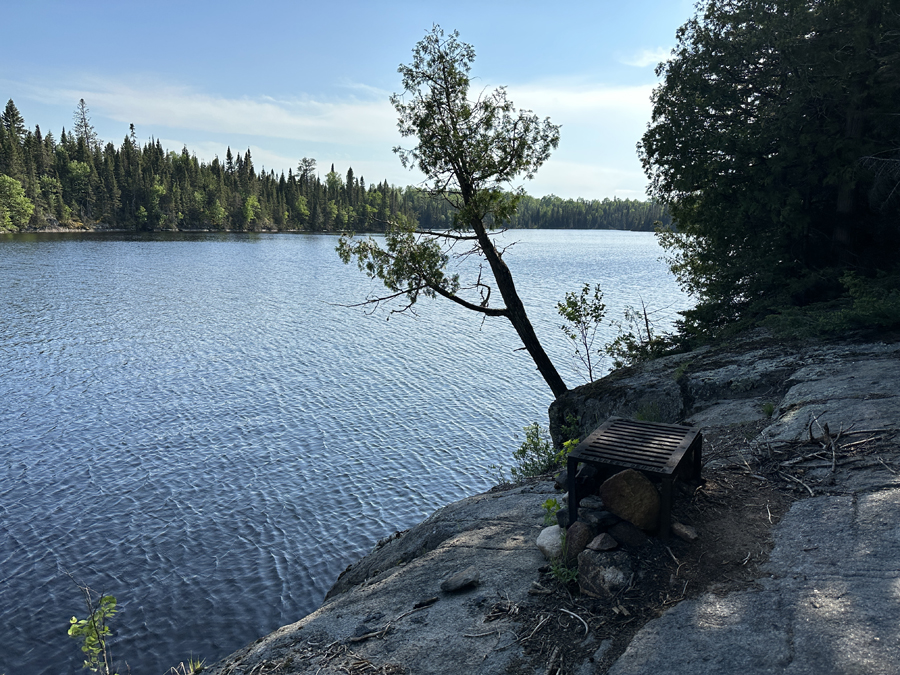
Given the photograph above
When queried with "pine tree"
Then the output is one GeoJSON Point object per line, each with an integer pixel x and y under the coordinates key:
{"type": "Point", "coordinates": [84, 130]}
{"type": "Point", "coordinates": [12, 119]}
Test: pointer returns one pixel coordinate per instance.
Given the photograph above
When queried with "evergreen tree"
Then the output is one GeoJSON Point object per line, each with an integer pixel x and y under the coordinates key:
{"type": "Point", "coordinates": [84, 130]}
{"type": "Point", "coordinates": [12, 119]}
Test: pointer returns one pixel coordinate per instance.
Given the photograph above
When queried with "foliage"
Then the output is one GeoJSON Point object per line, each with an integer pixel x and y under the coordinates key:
{"type": "Point", "coordinates": [551, 506]}
{"type": "Point", "coordinates": [94, 631]}
{"type": "Point", "coordinates": [558, 568]}
{"type": "Point", "coordinates": [868, 303]}
{"type": "Point", "coordinates": [637, 340]}
{"type": "Point", "coordinates": [582, 314]}
{"type": "Point", "coordinates": [536, 456]}
{"type": "Point", "coordinates": [15, 207]}
{"type": "Point", "coordinates": [765, 133]}
{"type": "Point", "coordinates": [469, 151]}
{"type": "Point", "coordinates": [147, 187]}
{"type": "Point", "coordinates": [768, 408]}
{"type": "Point", "coordinates": [192, 667]}
{"type": "Point", "coordinates": [563, 573]}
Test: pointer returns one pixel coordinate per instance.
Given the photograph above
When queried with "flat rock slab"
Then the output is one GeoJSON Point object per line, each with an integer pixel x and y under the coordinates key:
{"type": "Point", "coordinates": [861, 393]}
{"type": "Point", "coordinates": [417, 627]}
{"type": "Point", "coordinates": [831, 605]}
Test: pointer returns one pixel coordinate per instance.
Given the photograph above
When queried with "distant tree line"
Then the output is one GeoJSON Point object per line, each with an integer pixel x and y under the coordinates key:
{"type": "Point", "coordinates": [78, 181]}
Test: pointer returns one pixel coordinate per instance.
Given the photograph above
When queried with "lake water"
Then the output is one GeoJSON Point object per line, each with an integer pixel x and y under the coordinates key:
{"type": "Point", "coordinates": [193, 423]}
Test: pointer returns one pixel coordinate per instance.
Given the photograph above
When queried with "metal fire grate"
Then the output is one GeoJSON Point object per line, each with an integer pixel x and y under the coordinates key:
{"type": "Point", "coordinates": [662, 452]}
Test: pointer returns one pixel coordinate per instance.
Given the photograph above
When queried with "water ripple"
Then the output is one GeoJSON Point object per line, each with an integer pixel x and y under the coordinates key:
{"type": "Point", "coordinates": [191, 424]}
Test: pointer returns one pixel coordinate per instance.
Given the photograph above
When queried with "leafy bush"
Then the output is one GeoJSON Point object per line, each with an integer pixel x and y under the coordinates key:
{"type": "Point", "coordinates": [536, 456]}
{"type": "Point", "coordinates": [94, 631]}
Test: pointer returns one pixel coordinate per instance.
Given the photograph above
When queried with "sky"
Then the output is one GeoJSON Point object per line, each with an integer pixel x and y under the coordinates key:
{"type": "Point", "coordinates": [297, 79]}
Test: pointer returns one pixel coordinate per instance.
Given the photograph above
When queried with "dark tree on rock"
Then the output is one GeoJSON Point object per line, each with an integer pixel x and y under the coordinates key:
{"type": "Point", "coordinates": [758, 144]}
{"type": "Point", "coordinates": [469, 151]}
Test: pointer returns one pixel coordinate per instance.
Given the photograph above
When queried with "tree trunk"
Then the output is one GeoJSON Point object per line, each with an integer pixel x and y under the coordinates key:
{"type": "Point", "coordinates": [516, 313]}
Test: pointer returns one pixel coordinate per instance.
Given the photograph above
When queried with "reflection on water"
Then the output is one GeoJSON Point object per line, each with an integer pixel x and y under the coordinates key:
{"type": "Point", "coordinates": [193, 424]}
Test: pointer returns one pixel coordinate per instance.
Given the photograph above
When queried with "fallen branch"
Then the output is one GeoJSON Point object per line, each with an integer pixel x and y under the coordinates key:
{"type": "Point", "coordinates": [797, 480]}
{"type": "Point", "coordinates": [886, 466]}
{"type": "Point", "coordinates": [536, 629]}
{"type": "Point", "coordinates": [477, 635]}
{"type": "Point", "coordinates": [377, 633]}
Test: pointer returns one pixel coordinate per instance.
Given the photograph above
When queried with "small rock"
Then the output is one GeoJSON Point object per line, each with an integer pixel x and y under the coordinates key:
{"type": "Point", "coordinates": [600, 521]}
{"type": "Point", "coordinates": [374, 616]}
{"type": "Point", "coordinates": [591, 502]}
{"type": "Point", "coordinates": [561, 481]}
{"type": "Point", "coordinates": [562, 516]}
{"type": "Point", "coordinates": [626, 533]}
{"type": "Point", "coordinates": [603, 542]}
{"type": "Point", "coordinates": [601, 574]}
{"type": "Point", "coordinates": [632, 497]}
{"type": "Point", "coordinates": [685, 532]}
{"type": "Point", "coordinates": [460, 580]}
{"type": "Point", "coordinates": [577, 537]}
{"type": "Point", "coordinates": [549, 543]}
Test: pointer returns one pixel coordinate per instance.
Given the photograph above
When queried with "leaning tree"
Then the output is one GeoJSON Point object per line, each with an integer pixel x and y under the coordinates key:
{"type": "Point", "coordinates": [471, 151]}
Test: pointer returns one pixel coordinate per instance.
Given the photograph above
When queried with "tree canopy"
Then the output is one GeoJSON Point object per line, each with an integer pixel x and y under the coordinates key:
{"type": "Point", "coordinates": [79, 181]}
{"type": "Point", "coordinates": [772, 141]}
{"type": "Point", "coordinates": [470, 150]}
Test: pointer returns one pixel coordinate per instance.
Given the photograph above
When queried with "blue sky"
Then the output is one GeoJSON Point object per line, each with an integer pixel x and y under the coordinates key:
{"type": "Point", "coordinates": [312, 79]}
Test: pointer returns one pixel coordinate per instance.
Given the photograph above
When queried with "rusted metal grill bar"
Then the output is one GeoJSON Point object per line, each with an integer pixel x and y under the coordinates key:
{"type": "Point", "coordinates": [663, 452]}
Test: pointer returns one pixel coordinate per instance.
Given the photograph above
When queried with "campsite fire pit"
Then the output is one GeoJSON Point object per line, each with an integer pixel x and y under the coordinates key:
{"type": "Point", "coordinates": [662, 452]}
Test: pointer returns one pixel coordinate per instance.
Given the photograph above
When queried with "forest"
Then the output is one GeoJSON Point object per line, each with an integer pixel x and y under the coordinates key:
{"type": "Point", "coordinates": [78, 181]}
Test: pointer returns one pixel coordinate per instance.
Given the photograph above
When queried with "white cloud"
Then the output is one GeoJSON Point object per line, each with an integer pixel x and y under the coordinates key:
{"type": "Point", "coordinates": [348, 121]}
{"type": "Point", "coordinates": [565, 102]}
{"type": "Point", "coordinates": [571, 179]}
{"type": "Point", "coordinates": [646, 57]}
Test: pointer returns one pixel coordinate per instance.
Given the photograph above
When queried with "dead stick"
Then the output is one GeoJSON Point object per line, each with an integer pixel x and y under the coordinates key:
{"type": "Point", "coordinates": [553, 654]}
{"type": "Point", "coordinates": [886, 466]}
{"type": "Point", "coordinates": [586, 629]}
{"type": "Point", "coordinates": [797, 480]}
{"type": "Point", "coordinates": [673, 556]}
{"type": "Point", "coordinates": [490, 632]}
{"type": "Point", "coordinates": [537, 628]}
{"type": "Point", "coordinates": [377, 633]}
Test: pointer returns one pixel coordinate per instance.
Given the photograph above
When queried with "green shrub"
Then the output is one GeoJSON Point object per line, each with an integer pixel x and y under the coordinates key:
{"type": "Point", "coordinates": [536, 456]}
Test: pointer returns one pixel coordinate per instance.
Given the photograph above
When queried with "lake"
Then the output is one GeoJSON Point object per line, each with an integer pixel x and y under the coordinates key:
{"type": "Point", "coordinates": [199, 426]}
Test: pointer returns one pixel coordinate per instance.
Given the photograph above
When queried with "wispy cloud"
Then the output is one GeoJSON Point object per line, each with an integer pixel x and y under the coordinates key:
{"type": "Point", "coordinates": [588, 180]}
{"type": "Point", "coordinates": [574, 100]}
{"type": "Point", "coordinates": [346, 121]}
{"type": "Point", "coordinates": [646, 57]}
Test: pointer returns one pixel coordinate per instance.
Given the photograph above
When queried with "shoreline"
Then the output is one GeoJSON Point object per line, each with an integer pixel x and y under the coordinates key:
{"type": "Point", "coordinates": [387, 610]}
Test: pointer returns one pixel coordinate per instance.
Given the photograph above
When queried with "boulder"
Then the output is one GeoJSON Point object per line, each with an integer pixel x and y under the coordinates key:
{"type": "Point", "coordinates": [632, 497]}
{"type": "Point", "coordinates": [549, 542]}
{"type": "Point", "coordinates": [601, 574]}
{"type": "Point", "coordinates": [577, 538]}
{"type": "Point", "coordinates": [626, 533]}
{"type": "Point", "coordinates": [600, 521]}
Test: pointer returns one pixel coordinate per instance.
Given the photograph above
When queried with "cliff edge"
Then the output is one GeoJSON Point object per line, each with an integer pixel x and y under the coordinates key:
{"type": "Point", "coordinates": [794, 569]}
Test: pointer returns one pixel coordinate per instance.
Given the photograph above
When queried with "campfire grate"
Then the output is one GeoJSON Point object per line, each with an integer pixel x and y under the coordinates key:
{"type": "Point", "coordinates": [662, 452]}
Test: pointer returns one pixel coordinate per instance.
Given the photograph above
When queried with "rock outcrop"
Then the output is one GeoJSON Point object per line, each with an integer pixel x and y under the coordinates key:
{"type": "Point", "coordinates": [802, 386]}
{"type": "Point", "coordinates": [388, 612]}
